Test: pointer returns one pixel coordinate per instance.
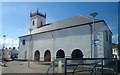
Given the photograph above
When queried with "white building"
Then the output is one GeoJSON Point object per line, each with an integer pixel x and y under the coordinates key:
{"type": "Point", "coordinates": [6, 54]}
{"type": "Point", "coordinates": [115, 50]}
{"type": "Point", "coordinates": [71, 37]}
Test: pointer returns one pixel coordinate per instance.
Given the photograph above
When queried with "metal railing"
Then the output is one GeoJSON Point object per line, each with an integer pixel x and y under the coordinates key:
{"type": "Point", "coordinates": [96, 62]}
{"type": "Point", "coordinates": [74, 65]}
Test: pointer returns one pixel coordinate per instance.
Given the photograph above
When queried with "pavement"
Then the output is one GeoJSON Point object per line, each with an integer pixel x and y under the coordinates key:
{"type": "Point", "coordinates": [22, 67]}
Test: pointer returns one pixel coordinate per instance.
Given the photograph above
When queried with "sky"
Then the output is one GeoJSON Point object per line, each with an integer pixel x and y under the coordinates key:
{"type": "Point", "coordinates": [16, 15]}
{"type": "Point", "coordinates": [59, 0]}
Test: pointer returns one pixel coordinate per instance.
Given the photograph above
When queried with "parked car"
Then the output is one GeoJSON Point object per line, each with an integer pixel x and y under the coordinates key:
{"type": "Point", "coordinates": [14, 56]}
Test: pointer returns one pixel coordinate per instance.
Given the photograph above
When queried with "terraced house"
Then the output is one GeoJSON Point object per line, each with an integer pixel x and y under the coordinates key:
{"type": "Point", "coordinates": [68, 38]}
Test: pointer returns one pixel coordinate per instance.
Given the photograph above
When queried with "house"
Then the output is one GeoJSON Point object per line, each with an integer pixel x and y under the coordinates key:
{"type": "Point", "coordinates": [115, 50]}
{"type": "Point", "coordinates": [5, 54]}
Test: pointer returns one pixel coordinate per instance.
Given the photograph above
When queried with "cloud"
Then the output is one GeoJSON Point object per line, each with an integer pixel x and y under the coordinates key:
{"type": "Point", "coordinates": [9, 42]}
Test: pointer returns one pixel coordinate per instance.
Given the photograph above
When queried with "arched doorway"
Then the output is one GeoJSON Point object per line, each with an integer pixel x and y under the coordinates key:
{"type": "Point", "coordinates": [60, 54]}
{"type": "Point", "coordinates": [37, 55]}
{"type": "Point", "coordinates": [77, 53]}
{"type": "Point", "coordinates": [47, 56]}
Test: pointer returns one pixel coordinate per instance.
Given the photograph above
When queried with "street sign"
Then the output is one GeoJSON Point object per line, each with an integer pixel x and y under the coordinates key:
{"type": "Point", "coordinates": [96, 42]}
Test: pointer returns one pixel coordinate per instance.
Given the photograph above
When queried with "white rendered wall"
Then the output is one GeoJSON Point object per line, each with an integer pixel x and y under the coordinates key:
{"type": "Point", "coordinates": [23, 48]}
{"type": "Point", "coordinates": [73, 38]}
{"type": "Point", "coordinates": [67, 40]}
{"type": "Point", "coordinates": [42, 42]}
{"type": "Point", "coordinates": [104, 47]}
{"type": "Point", "coordinates": [37, 20]}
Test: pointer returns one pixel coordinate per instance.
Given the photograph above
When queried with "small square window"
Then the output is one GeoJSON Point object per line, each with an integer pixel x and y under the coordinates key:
{"type": "Point", "coordinates": [23, 42]}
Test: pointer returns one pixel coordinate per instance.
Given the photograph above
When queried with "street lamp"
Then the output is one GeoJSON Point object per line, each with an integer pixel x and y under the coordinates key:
{"type": "Point", "coordinates": [4, 41]}
{"type": "Point", "coordinates": [30, 47]}
{"type": "Point", "coordinates": [94, 14]}
{"type": "Point", "coordinates": [3, 48]}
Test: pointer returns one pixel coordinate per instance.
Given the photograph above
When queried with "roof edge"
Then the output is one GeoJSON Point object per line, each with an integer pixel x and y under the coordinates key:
{"type": "Point", "coordinates": [68, 27]}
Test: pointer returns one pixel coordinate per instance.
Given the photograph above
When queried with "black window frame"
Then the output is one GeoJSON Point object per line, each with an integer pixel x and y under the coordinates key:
{"type": "Point", "coordinates": [41, 23]}
{"type": "Point", "coordinates": [106, 35]}
{"type": "Point", "coordinates": [110, 39]}
{"type": "Point", "coordinates": [23, 42]}
{"type": "Point", "coordinates": [33, 22]}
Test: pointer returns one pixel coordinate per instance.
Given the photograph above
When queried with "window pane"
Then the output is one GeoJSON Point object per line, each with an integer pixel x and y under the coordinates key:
{"type": "Point", "coordinates": [106, 33]}
{"type": "Point", "coordinates": [33, 23]}
{"type": "Point", "coordinates": [23, 42]}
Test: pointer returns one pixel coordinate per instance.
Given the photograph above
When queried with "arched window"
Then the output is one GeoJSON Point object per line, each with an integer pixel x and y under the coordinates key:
{"type": "Point", "coordinates": [47, 56]}
{"type": "Point", "coordinates": [60, 54]}
{"type": "Point", "coordinates": [77, 53]}
{"type": "Point", "coordinates": [33, 22]}
{"type": "Point", "coordinates": [37, 55]}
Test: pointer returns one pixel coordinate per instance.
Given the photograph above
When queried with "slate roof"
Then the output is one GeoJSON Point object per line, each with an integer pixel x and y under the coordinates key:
{"type": "Point", "coordinates": [77, 20]}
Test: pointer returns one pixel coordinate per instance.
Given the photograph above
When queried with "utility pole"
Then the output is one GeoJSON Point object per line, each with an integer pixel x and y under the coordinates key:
{"type": "Point", "coordinates": [3, 50]}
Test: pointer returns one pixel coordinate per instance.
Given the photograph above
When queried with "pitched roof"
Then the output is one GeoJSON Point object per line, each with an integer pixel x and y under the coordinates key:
{"type": "Point", "coordinates": [77, 20]}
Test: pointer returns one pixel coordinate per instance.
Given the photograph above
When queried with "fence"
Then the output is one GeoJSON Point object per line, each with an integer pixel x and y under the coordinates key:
{"type": "Point", "coordinates": [84, 66]}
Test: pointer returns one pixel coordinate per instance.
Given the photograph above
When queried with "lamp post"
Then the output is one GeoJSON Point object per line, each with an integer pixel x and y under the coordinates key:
{"type": "Point", "coordinates": [30, 47]}
{"type": "Point", "coordinates": [12, 44]}
{"type": "Point", "coordinates": [94, 14]}
{"type": "Point", "coordinates": [4, 41]}
{"type": "Point", "coordinates": [3, 48]}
